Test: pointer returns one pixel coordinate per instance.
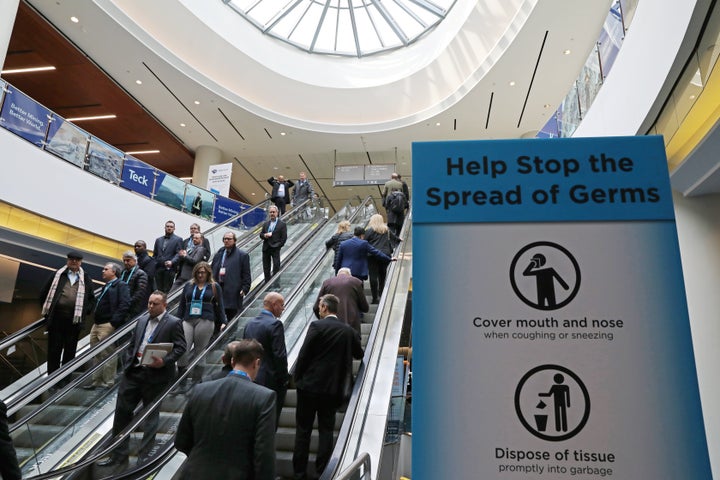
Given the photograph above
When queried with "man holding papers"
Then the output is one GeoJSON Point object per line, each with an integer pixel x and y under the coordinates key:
{"type": "Point", "coordinates": [145, 376]}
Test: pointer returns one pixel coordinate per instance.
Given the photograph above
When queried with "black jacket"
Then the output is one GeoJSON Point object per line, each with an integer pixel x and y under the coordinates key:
{"type": "Point", "coordinates": [113, 304]}
{"type": "Point", "coordinates": [237, 276]}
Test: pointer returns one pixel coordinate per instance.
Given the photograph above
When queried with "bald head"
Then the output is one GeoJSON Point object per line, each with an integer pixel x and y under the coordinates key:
{"type": "Point", "coordinates": [274, 303]}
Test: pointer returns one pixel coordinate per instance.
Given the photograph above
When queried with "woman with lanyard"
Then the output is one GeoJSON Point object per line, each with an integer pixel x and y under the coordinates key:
{"type": "Point", "coordinates": [201, 305]}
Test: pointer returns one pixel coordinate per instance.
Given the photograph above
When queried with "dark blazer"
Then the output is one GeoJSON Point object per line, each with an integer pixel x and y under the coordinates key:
{"type": "Point", "coordinates": [325, 358]}
{"type": "Point", "coordinates": [352, 298]}
{"type": "Point", "coordinates": [113, 305]}
{"type": "Point", "coordinates": [172, 246]}
{"type": "Point", "coordinates": [276, 185]}
{"type": "Point", "coordinates": [147, 263]}
{"type": "Point", "coordinates": [139, 290]}
{"type": "Point", "coordinates": [169, 330]}
{"type": "Point", "coordinates": [88, 302]}
{"type": "Point", "coordinates": [237, 276]}
{"type": "Point", "coordinates": [205, 243]}
{"type": "Point", "coordinates": [279, 235]}
{"type": "Point", "coordinates": [9, 468]}
{"type": "Point", "coordinates": [385, 242]}
{"type": "Point", "coordinates": [269, 331]}
{"type": "Point", "coordinates": [353, 254]}
{"type": "Point", "coordinates": [228, 431]}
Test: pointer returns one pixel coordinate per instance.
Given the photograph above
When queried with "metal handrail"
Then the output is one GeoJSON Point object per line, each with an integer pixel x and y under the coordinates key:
{"type": "Point", "coordinates": [362, 462]}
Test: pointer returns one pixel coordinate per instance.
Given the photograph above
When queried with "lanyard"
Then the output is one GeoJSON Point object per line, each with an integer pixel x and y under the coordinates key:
{"type": "Point", "coordinates": [202, 292]}
{"type": "Point", "coordinates": [222, 262]}
{"type": "Point", "coordinates": [107, 286]}
{"type": "Point", "coordinates": [132, 271]}
{"type": "Point", "coordinates": [239, 373]}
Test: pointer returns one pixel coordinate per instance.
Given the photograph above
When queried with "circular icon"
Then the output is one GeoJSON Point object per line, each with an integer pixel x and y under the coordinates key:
{"type": "Point", "coordinates": [545, 275]}
{"type": "Point", "coordinates": [552, 402]}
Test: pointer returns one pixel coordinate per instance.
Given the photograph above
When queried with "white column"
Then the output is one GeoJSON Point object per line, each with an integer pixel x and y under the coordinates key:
{"type": "Point", "coordinates": [8, 10]}
{"type": "Point", "coordinates": [205, 155]}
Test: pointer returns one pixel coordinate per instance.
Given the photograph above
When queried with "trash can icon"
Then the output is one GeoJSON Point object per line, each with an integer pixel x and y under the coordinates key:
{"type": "Point", "coordinates": [541, 422]}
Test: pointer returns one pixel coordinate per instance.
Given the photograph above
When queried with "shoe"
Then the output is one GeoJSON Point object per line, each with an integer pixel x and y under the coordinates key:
{"type": "Point", "coordinates": [89, 387]}
{"type": "Point", "coordinates": [112, 461]}
{"type": "Point", "coordinates": [375, 301]}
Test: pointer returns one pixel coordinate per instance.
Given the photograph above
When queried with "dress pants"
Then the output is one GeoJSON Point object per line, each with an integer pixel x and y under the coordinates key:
{"type": "Point", "coordinates": [104, 377]}
{"type": "Point", "coordinates": [377, 270]}
{"type": "Point", "coordinates": [62, 341]}
{"type": "Point", "coordinates": [280, 204]}
{"type": "Point", "coordinates": [134, 387]}
{"type": "Point", "coordinates": [267, 255]}
{"type": "Point", "coordinates": [164, 278]}
{"type": "Point", "coordinates": [309, 404]}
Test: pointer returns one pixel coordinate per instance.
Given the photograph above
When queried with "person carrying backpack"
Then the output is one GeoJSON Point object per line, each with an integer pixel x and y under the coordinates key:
{"type": "Point", "coordinates": [395, 203]}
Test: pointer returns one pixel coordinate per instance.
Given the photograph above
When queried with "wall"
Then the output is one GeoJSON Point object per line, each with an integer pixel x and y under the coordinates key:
{"type": "Point", "coordinates": [44, 184]}
{"type": "Point", "coordinates": [698, 226]}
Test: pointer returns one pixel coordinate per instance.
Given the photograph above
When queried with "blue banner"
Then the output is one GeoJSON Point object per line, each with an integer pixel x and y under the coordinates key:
{"type": "Point", "coordinates": [24, 117]}
{"type": "Point", "coordinates": [226, 208]}
{"type": "Point", "coordinates": [138, 176]}
{"type": "Point", "coordinates": [169, 190]}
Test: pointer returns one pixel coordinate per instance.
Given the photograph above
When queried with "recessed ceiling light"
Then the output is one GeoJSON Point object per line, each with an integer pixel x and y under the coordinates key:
{"type": "Point", "coordinates": [547, 105]}
{"type": "Point", "coordinates": [28, 70]}
{"type": "Point", "coordinates": [437, 124]}
{"type": "Point", "coordinates": [566, 52]}
{"type": "Point", "coordinates": [182, 124]}
{"type": "Point", "coordinates": [74, 19]}
{"type": "Point", "coordinates": [253, 194]}
{"type": "Point", "coordinates": [141, 152]}
{"type": "Point", "coordinates": [692, 97]}
{"type": "Point", "coordinates": [197, 102]}
{"type": "Point", "coordinates": [139, 82]}
{"type": "Point", "coordinates": [282, 133]}
{"type": "Point", "coordinates": [512, 83]}
{"type": "Point", "coordinates": [275, 168]}
{"type": "Point", "coordinates": [95, 117]}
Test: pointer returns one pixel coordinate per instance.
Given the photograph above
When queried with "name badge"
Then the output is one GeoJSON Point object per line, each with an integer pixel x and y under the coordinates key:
{"type": "Point", "coordinates": [196, 308]}
{"type": "Point", "coordinates": [222, 271]}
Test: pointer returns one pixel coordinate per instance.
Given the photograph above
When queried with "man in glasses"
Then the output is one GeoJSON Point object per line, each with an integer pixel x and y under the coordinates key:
{"type": "Point", "coordinates": [231, 269]}
{"type": "Point", "coordinates": [188, 244]}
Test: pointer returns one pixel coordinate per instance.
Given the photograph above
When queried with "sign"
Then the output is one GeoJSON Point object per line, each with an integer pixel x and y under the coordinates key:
{"type": "Point", "coordinates": [105, 160]}
{"type": "Point", "coordinates": [67, 141]}
{"type": "Point", "coordinates": [219, 178]}
{"type": "Point", "coordinates": [24, 117]}
{"type": "Point", "coordinates": [362, 174]}
{"type": "Point", "coordinates": [138, 176]}
{"type": "Point", "coordinates": [551, 334]}
{"type": "Point", "coordinates": [226, 208]}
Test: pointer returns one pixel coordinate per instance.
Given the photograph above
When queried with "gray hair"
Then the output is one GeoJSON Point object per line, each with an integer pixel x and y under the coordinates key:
{"type": "Point", "coordinates": [129, 254]}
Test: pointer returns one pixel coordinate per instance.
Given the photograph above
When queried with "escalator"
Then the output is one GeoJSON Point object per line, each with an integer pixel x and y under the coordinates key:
{"type": "Point", "coordinates": [70, 422]}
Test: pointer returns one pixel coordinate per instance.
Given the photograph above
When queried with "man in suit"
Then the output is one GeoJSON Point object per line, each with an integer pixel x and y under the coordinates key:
{"type": "Point", "coordinates": [147, 264]}
{"type": "Point", "coordinates": [280, 195]}
{"type": "Point", "coordinates": [165, 253]}
{"type": "Point", "coordinates": [303, 190]}
{"type": "Point", "coordinates": [188, 257]}
{"type": "Point", "coordinates": [353, 253]}
{"type": "Point", "coordinates": [137, 280]}
{"type": "Point", "coordinates": [349, 291]}
{"type": "Point", "coordinates": [68, 299]}
{"type": "Point", "coordinates": [323, 375]}
{"type": "Point", "coordinates": [269, 331]}
{"type": "Point", "coordinates": [231, 269]}
{"type": "Point", "coordinates": [227, 428]}
{"type": "Point", "coordinates": [110, 314]}
{"type": "Point", "coordinates": [274, 236]}
{"type": "Point", "coordinates": [188, 244]}
{"type": "Point", "coordinates": [146, 382]}
{"type": "Point", "coordinates": [9, 468]}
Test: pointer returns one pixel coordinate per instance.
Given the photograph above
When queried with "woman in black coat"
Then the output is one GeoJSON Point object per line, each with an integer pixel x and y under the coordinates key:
{"type": "Point", "coordinates": [343, 233]}
{"type": "Point", "coordinates": [379, 236]}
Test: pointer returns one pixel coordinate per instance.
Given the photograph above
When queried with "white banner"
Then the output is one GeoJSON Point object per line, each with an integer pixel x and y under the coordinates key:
{"type": "Point", "coordinates": [219, 178]}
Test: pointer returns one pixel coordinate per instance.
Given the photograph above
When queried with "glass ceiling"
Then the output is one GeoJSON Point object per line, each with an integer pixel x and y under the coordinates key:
{"type": "Point", "coordinates": [353, 28]}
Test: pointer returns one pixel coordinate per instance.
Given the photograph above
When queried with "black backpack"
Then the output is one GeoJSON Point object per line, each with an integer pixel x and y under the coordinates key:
{"type": "Point", "coordinates": [395, 202]}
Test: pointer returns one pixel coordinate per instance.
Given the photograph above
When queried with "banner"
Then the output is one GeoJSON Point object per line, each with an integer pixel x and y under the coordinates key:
{"type": "Point", "coordinates": [24, 117]}
{"type": "Point", "coordinates": [169, 190]}
{"type": "Point", "coordinates": [219, 178]}
{"type": "Point", "coordinates": [138, 176]}
{"type": "Point", "coordinates": [198, 201]}
{"type": "Point", "coordinates": [105, 160]}
{"type": "Point", "coordinates": [226, 208]}
{"type": "Point", "coordinates": [67, 141]}
{"type": "Point", "coordinates": [551, 335]}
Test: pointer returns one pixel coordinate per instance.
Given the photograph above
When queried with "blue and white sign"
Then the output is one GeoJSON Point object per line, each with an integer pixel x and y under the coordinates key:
{"type": "Point", "coordinates": [24, 117]}
{"type": "Point", "coordinates": [226, 208]}
{"type": "Point", "coordinates": [551, 335]}
{"type": "Point", "coordinates": [138, 176]}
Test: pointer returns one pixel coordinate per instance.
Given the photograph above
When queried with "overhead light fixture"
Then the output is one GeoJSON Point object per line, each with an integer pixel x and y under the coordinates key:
{"type": "Point", "coordinates": [28, 70]}
{"type": "Point", "coordinates": [182, 124]}
{"type": "Point", "coordinates": [547, 105]}
{"type": "Point", "coordinates": [140, 152]}
{"type": "Point", "coordinates": [282, 133]}
{"type": "Point", "coordinates": [96, 117]}
{"type": "Point", "coordinates": [186, 179]}
{"type": "Point", "coordinates": [437, 124]}
{"type": "Point", "coordinates": [566, 52]}
{"type": "Point", "coordinates": [692, 97]}
{"type": "Point", "coordinates": [512, 83]}
{"type": "Point", "coordinates": [139, 82]}
{"type": "Point", "coordinates": [197, 102]}
{"type": "Point", "coordinates": [253, 194]}
{"type": "Point", "coordinates": [74, 19]}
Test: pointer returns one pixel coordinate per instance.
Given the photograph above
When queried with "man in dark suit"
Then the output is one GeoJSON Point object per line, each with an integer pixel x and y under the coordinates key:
{"type": "Point", "coordinates": [231, 269]}
{"type": "Point", "coordinates": [147, 264]}
{"type": "Point", "coordinates": [68, 299]}
{"type": "Point", "coordinates": [228, 427]}
{"type": "Point", "coordinates": [323, 375]}
{"type": "Point", "coordinates": [9, 468]}
{"type": "Point", "coordinates": [274, 236]}
{"type": "Point", "coordinates": [349, 291]}
{"type": "Point", "coordinates": [280, 195]}
{"type": "Point", "coordinates": [269, 331]}
{"type": "Point", "coordinates": [110, 314]}
{"type": "Point", "coordinates": [146, 382]}
{"type": "Point", "coordinates": [353, 253]}
{"type": "Point", "coordinates": [165, 253]}
{"type": "Point", "coordinates": [188, 244]}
